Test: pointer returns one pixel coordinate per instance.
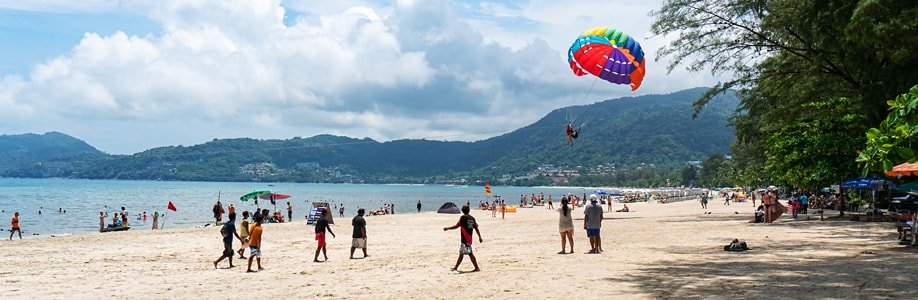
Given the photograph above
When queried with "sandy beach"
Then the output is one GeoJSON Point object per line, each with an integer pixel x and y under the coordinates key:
{"type": "Point", "coordinates": [657, 251]}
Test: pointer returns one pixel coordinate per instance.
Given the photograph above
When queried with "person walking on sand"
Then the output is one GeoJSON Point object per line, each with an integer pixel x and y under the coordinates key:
{"type": "Point", "coordinates": [466, 224]}
{"type": "Point", "coordinates": [321, 227]}
{"type": "Point", "coordinates": [592, 221]}
{"type": "Point", "coordinates": [704, 201]}
{"type": "Point", "coordinates": [503, 209]}
{"type": "Point", "coordinates": [494, 209]}
{"type": "Point", "coordinates": [15, 226]}
{"type": "Point", "coordinates": [243, 234]}
{"type": "Point", "coordinates": [550, 203]}
{"type": "Point", "coordinates": [218, 212]}
{"type": "Point", "coordinates": [565, 225]}
{"type": "Point", "coordinates": [341, 211]}
{"type": "Point", "coordinates": [360, 234]}
{"type": "Point", "coordinates": [289, 212]}
{"type": "Point", "coordinates": [255, 244]}
{"type": "Point", "coordinates": [228, 231]}
{"type": "Point", "coordinates": [419, 205]}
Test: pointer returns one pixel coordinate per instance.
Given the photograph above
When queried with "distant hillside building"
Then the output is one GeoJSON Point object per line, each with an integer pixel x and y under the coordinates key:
{"type": "Point", "coordinates": [260, 169]}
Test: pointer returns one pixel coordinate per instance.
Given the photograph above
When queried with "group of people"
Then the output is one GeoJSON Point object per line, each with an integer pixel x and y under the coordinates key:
{"type": "Point", "coordinates": [592, 222]}
{"type": "Point", "coordinates": [386, 209]}
{"type": "Point", "coordinates": [250, 236]}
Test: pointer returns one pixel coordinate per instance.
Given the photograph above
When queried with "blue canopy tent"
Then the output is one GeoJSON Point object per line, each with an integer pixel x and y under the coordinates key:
{"type": "Point", "coordinates": [873, 183]}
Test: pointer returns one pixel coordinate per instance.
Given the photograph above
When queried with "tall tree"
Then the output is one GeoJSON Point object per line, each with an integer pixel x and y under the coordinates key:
{"type": "Point", "coordinates": [782, 55]}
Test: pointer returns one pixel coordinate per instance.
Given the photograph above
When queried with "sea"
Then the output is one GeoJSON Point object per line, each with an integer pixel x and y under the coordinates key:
{"type": "Point", "coordinates": [57, 207]}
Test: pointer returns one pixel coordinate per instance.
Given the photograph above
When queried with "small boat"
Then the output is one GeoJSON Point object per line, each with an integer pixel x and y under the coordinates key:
{"type": "Point", "coordinates": [110, 229]}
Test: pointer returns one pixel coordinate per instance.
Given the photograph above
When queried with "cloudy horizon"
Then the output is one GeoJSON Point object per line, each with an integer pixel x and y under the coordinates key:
{"type": "Point", "coordinates": [126, 76]}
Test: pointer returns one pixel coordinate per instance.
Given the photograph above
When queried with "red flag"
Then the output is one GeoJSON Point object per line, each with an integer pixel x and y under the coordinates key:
{"type": "Point", "coordinates": [171, 206]}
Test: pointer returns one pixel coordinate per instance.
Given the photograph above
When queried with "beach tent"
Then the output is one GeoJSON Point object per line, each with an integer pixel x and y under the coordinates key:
{"type": "Point", "coordinates": [873, 183]}
{"type": "Point", "coordinates": [449, 208]}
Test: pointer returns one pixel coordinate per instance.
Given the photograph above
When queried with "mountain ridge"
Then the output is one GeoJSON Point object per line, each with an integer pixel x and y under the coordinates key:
{"type": "Point", "coordinates": [628, 131]}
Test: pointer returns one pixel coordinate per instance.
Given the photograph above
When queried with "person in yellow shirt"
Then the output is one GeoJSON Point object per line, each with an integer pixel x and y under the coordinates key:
{"type": "Point", "coordinates": [255, 243]}
{"type": "Point", "coordinates": [15, 228]}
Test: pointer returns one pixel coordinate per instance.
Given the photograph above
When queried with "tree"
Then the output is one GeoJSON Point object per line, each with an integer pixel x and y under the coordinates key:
{"type": "Point", "coordinates": [689, 175]}
{"type": "Point", "coordinates": [896, 139]}
{"type": "Point", "coordinates": [818, 149]}
{"type": "Point", "coordinates": [782, 55]}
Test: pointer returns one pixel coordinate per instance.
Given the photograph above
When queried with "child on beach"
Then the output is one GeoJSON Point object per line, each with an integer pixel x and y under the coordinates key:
{"type": "Point", "coordinates": [243, 234]}
{"type": "Point", "coordinates": [321, 227]}
{"type": "Point", "coordinates": [255, 244]}
{"type": "Point", "coordinates": [467, 224]}
{"type": "Point", "coordinates": [228, 231]}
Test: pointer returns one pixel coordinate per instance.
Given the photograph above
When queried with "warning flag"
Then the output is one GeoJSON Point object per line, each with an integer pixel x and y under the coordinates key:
{"type": "Point", "coordinates": [487, 189]}
{"type": "Point", "coordinates": [171, 206]}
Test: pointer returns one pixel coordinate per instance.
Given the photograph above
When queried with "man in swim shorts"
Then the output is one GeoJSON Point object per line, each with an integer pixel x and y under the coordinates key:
{"type": "Point", "coordinates": [467, 224]}
{"type": "Point", "coordinates": [255, 243]}
{"type": "Point", "coordinates": [321, 227]}
{"type": "Point", "coordinates": [592, 221]}
{"type": "Point", "coordinates": [15, 223]}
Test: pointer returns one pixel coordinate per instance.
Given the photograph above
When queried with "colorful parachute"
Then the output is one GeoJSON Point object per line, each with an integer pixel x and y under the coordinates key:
{"type": "Point", "coordinates": [609, 54]}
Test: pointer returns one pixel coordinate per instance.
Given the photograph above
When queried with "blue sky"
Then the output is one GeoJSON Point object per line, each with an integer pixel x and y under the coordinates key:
{"type": "Point", "coordinates": [130, 75]}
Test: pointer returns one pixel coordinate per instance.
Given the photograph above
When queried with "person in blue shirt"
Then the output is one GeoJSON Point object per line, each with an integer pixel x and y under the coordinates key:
{"type": "Point", "coordinates": [804, 202]}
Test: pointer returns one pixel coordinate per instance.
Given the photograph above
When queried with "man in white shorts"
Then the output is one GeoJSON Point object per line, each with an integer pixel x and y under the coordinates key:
{"type": "Point", "coordinates": [360, 234]}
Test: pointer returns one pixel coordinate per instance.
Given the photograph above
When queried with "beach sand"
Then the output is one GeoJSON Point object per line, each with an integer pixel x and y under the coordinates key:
{"type": "Point", "coordinates": [658, 251]}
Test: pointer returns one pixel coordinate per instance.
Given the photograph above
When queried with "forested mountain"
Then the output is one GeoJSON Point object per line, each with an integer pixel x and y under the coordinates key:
{"type": "Point", "coordinates": [17, 151]}
{"type": "Point", "coordinates": [650, 129]}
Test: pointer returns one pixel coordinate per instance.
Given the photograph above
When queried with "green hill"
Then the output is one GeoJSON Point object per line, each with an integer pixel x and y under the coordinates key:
{"type": "Point", "coordinates": [626, 132]}
{"type": "Point", "coordinates": [23, 151]}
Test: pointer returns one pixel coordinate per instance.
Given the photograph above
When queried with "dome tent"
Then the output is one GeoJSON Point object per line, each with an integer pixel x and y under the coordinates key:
{"type": "Point", "coordinates": [449, 208]}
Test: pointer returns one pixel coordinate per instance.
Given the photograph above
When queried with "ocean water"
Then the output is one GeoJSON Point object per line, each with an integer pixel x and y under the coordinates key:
{"type": "Point", "coordinates": [84, 199]}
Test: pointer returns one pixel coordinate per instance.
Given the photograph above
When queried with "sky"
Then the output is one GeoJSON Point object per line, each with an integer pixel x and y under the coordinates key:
{"type": "Point", "coordinates": [126, 76]}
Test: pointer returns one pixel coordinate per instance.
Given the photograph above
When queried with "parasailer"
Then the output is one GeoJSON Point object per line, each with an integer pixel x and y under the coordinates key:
{"type": "Point", "coordinates": [609, 54]}
{"type": "Point", "coordinates": [571, 133]}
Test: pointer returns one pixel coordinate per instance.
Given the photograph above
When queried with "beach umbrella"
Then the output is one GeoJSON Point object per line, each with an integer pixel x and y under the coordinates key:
{"type": "Point", "coordinates": [905, 169]}
{"type": "Point", "coordinates": [276, 196]}
{"type": "Point", "coordinates": [254, 194]}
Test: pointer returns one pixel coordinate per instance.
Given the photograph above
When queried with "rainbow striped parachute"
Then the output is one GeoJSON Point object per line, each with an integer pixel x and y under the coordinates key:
{"type": "Point", "coordinates": [609, 54]}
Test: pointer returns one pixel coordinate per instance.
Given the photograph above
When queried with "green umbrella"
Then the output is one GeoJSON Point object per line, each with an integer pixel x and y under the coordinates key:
{"type": "Point", "coordinates": [254, 194]}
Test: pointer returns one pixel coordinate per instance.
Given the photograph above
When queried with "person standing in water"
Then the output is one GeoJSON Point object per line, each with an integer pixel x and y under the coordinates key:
{"type": "Point", "coordinates": [155, 220]}
{"type": "Point", "coordinates": [468, 225]}
{"type": "Point", "coordinates": [419, 205]}
{"type": "Point", "coordinates": [15, 228]}
{"type": "Point", "coordinates": [101, 221]}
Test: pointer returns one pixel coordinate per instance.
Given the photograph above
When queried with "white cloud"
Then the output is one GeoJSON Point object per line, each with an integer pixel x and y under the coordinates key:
{"type": "Point", "coordinates": [413, 69]}
{"type": "Point", "coordinates": [60, 6]}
